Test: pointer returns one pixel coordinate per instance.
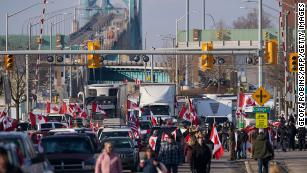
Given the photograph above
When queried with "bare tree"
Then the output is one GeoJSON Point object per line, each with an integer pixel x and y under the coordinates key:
{"type": "Point", "coordinates": [250, 21]}
{"type": "Point", "coordinates": [17, 84]}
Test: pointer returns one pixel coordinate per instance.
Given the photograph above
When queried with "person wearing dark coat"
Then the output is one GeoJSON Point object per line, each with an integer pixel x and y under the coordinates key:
{"type": "Point", "coordinates": [282, 134]}
{"type": "Point", "coordinates": [149, 165]}
{"type": "Point", "coordinates": [262, 151]}
{"type": "Point", "coordinates": [201, 156]}
{"type": "Point", "coordinates": [5, 165]}
{"type": "Point", "coordinates": [301, 135]}
{"type": "Point", "coordinates": [291, 136]}
{"type": "Point", "coordinates": [232, 144]}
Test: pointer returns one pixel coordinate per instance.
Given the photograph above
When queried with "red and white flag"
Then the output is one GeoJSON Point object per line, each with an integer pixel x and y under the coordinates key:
{"type": "Point", "coordinates": [83, 114]}
{"type": "Point", "coordinates": [7, 122]}
{"type": "Point", "coordinates": [154, 121]}
{"type": "Point", "coordinates": [184, 113]}
{"type": "Point", "coordinates": [193, 114]}
{"type": "Point", "coordinates": [218, 150]}
{"type": "Point", "coordinates": [174, 133]}
{"type": "Point", "coordinates": [152, 142]}
{"type": "Point", "coordinates": [63, 108]}
{"type": "Point", "coordinates": [37, 119]}
{"type": "Point", "coordinates": [138, 82]}
{"type": "Point", "coordinates": [164, 137]}
{"type": "Point", "coordinates": [132, 105]}
{"type": "Point", "coordinates": [48, 106]}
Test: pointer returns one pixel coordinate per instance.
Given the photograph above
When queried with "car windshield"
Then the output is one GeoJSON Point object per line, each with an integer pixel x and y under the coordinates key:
{"type": "Point", "coordinates": [15, 141]}
{"type": "Point", "coordinates": [218, 120]}
{"type": "Point", "coordinates": [114, 134]}
{"type": "Point", "coordinates": [66, 145]}
{"type": "Point", "coordinates": [145, 125]}
{"type": "Point", "coordinates": [156, 110]}
{"type": "Point", "coordinates": [120, 143]}
{"type": "Point", "coordinates": [46, 126]}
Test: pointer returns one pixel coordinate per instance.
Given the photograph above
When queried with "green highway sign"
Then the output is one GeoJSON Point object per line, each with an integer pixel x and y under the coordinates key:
{"type": "Point", "coordinates": [262, 109]}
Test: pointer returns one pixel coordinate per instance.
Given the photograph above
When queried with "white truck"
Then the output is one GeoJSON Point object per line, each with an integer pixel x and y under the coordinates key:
{"type": "Point", "coordinates": [213, 109]}
{"type": "Point", "coordinates": [111, 101]}
{"type": "Point", "coordinates": [158, 99]}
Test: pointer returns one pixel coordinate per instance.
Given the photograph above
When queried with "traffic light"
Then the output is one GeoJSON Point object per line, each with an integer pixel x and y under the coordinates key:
{"type": "Point", "coordinates": [93, 61]}
{"type": "Point", "coordinates": [8, 62]}
{"type": "Point", "coordinates": [293, 62]}
{"type": "Point", "coordinates": [207, 60]}
{"type": "Point", "coordinates": [271, 51]}
{"type": "Point", "coordinates": [219, 35]}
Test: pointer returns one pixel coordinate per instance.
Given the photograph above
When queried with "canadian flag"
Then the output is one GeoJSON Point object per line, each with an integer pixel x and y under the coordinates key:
{"type": "Point", "coordinates": [154, 120]}
{"type": "Point", "coordinates": [94, 106]}
{"type": "Point", "coordinates": [218, 150]}
{"type": "Point", "coordinates": [193, 114]}
{"type": "Point", "coordinates": [184, 113]}
{"type": "Point", "coordinates": [98, 108]}
{"type": "Point", "coordinates": [63, 108]}
{"type": "Point", "coordinates": [54, 109]}
{"type": "Point", "coordinates": [6, 120]}
{"type": "Point", "coordinates": [132, 105]}
{"type": "Point", "coordinates": [174, 133]}
{"type": "Point", "coordinates": [48, 106]}
{"type": "Point", "coordinates": [152, 142]}
{"type": "Point", "coordinates": [138, 82]}
{"type": "Point", "coordinates": [187, 138]}
{"type": "Point", "coordinates": [37, 119]}
{"type": "Point", "coordinates": [83, 114]}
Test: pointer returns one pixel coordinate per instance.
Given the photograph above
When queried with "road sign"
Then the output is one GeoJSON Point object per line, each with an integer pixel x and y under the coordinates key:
{"type": "Point", "coordinates": [262, 109]}
{"type": "Point", "coordinates": [261, 120]}
{"type": "Point", "coordinates": [261, 96]}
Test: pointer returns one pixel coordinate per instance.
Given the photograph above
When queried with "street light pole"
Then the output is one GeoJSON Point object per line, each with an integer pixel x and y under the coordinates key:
{"type": "Point", "coordinates": [6, 30]}
{"type": "Point", "coordinates": [260, 64]}
{"type": "Point", "coordinates": [204, 14]}
{"type": "Point", "coordinates": [50, 70]}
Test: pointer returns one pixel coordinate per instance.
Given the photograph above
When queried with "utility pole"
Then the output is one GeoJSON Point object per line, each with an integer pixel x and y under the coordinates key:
{"type": "Point", "coordinates": [50, 70]}
{"type": "Point", "coordinates": [285, 57]}
{"type": "Point", "coordinates": [260, 64]}
{"type": "Point", "coordinates": [204, 14]}
{"type": "Point", "coordinates": [187, 41]}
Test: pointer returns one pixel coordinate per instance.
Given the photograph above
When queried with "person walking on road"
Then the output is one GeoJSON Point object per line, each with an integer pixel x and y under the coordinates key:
{"type": "Point", "coordinates": [150, 164]}
{"type": "Point", "coordinates": [301, 135]}
{"type": "Point", "coordinates": [291, 134]}
{"type": "Point", "coordinates": [282, 135]}
{"type": "Point", "coordinates": [201, 156]}
{"type": "Point", "coordinates": [170, 154]}
{"type": "Point", "coordinates": [107, 161]}
{"type": "Point", "coordinates": [232, 144]}
{"type": "Point", "coordinates": [262, 151]}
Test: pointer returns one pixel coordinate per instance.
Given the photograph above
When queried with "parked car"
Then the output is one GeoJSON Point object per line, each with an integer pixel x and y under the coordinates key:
{"type": "Point", "coordinates": [70, 153]}
{"type": "Point", "coordinates": [92, 135]}
{"type": "Point", "coordinates": [30, 161]}
{"type": "Point", "coordinates": [51, 125]}
{"type": "Point", "coordinates": [116, 132]}
{"type": "Point", "coordinates": [12, 153]}
{"type": "Point", "coordinates": [127, 151]}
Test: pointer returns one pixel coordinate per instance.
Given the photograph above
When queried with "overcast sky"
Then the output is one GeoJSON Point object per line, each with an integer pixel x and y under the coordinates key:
{"type": "Point", "coordinates": [159, 16]}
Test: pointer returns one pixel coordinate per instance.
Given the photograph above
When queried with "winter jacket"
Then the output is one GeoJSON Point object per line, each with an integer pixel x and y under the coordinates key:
{"type": "Point", "coordinates": [170, 153]}
{"type": "Point", "coordinates": [108, 163]}
{"type": "Point", "coordinates": [301, 133]}
{"type": "Point", "coordinates": [262, 148]}
{"type": "Point", "coordinates": [201, 156]}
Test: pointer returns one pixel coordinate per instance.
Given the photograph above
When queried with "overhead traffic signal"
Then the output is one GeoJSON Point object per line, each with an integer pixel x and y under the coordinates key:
{"type": "Point", "coordinates": [271, 51]}
{"type": "Point", "coordinates": [93, 61]}
{"type": "Point", "coordinates": [293, 62]}
{"type": "Point", "coordinates": [8, 62]}
{"type": "Point", "coordinates": [207, 60]}
{"type": "Point", "coordinates": [219, 35]}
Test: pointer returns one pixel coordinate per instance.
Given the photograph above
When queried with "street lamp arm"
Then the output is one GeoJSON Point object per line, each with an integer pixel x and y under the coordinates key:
{"type": "Point", "coordinates": [208, 14]}
{"type": "Point", "coordinates": [20, 11]}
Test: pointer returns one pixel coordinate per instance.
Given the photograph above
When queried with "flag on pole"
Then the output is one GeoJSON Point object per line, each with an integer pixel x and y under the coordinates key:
{"type": "Point", "coordinates": [154, 121]}
{"type": "Point", "coordinates": [48, 107]}
{"type": "Point", "coordinates": [152, 142]}
{"type": "Point", "coordinates": [37, 119]}
{"type": "Point", "coordinates": [218, 150]}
